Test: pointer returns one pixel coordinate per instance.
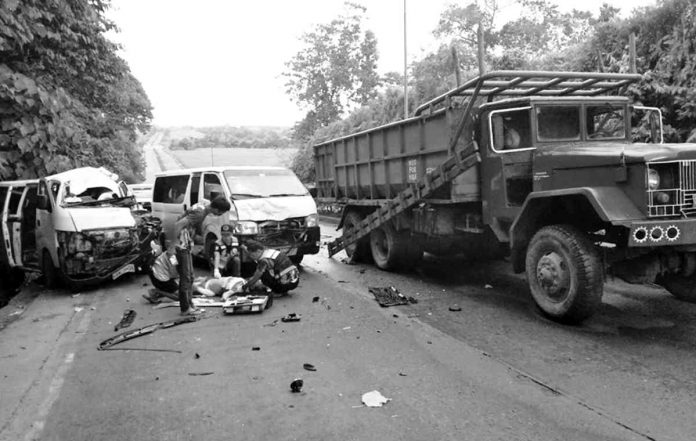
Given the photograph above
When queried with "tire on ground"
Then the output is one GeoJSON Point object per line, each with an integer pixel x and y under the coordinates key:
{"type": "Point", "coordinates": [565, 273]}
{"type": "Point", "coordinates": [683, 288]}
{"type": "Point", "coordinates": [389, 247]}
{"type": "Point", "coordinates": [359, 251]}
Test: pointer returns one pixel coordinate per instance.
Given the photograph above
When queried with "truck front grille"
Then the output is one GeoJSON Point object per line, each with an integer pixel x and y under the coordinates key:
{"type": "Point", "coordinates": [682, 195]}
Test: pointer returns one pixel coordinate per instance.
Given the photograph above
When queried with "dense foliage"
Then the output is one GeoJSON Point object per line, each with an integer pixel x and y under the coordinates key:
{"type": "Point", "coordinates": [233, 137]}
{"type": "Point", "coordinates": [66, 98]}
{"type": "Point", "coordinates": [543, 38]}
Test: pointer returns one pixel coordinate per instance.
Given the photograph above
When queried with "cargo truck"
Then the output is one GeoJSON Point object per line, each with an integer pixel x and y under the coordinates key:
{"type": "Point", "coordinates": [539, 165]}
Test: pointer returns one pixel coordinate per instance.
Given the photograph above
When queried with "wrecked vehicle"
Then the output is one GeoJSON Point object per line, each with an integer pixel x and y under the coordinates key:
{"type": "Point", "coordinates": [75, 227]}
{"type": "Point", "coordinates": [269, 204]}
{"type": "Point", "coordinates": [540, 165]}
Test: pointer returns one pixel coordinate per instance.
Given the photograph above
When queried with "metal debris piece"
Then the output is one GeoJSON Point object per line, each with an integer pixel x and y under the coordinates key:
{"type": "Point", "coordinates": [388, 296]}
{"type": "Point", "coordinates": [129, 335]}
{"type": "Point", "coordinates": [126, 320]}
{"type": "Point", "coordinates": [309, 367]}
{"type": "Point", "coordinates": [292, 317]}
{"type": "Point", "coordinates": [256, 348]}
{"type": "Point", "coordinates": [296, 385]}
{"type": "Point", "coordinates": [200, 374]}
{"type": "Point", "coordinates": [374, 399]}
{"type": "Point", "coordinates": [455, 308]}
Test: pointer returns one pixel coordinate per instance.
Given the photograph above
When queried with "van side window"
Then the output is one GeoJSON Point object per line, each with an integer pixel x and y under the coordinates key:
{"type": "Point", "coordinates": [195, 188]}
{"type": "Point", "coordinates": [212, 187]}
{"type": "Point", "coordinates": [170, 189]}
{"type": "Point", "coordinates": [15, 197]}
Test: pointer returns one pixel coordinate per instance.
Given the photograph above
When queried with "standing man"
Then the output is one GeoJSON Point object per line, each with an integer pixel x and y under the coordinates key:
{"type": "Point", "coordinates": [185, 230]}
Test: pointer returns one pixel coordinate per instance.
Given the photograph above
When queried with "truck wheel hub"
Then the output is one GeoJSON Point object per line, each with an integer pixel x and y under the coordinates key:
{"type": "Point", "coordinates": [552, 274]}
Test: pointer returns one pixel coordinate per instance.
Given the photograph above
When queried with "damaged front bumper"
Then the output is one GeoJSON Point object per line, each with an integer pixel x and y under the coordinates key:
{"type": "Point", "coordinates": [299, 241]}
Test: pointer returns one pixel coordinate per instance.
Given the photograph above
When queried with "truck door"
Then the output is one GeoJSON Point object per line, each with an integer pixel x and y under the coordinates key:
{"type": "Point", "coordinates": [507, 170]}
{"type": "Point", "coordinates": [28, 222]}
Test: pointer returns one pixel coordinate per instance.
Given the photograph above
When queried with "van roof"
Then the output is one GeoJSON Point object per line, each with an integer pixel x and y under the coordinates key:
{"type": "Point", "coordinates": [18, 183]}
{"type": "Point", "coordinates": [217, 169]}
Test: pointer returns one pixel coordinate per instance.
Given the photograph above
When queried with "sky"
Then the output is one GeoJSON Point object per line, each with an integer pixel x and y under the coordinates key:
{"type": "Point", "coordinates": [220, 62]}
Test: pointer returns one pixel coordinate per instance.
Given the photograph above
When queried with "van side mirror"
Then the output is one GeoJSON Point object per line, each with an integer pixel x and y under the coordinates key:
{"type": "Point", "coordinates": [313, 192]}
{"type": "Point", "coordinates": [43, 202]}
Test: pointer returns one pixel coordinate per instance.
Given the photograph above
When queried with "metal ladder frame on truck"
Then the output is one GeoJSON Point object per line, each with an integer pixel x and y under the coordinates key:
{"type": "Point", "coordinates": [489, 85]}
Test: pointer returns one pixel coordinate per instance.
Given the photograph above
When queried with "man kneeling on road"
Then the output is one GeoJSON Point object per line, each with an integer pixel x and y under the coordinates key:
{"type": "Point", "coordinates": [273, 268]}
{"type": "Point", "coordinates": [163, 275]}
{"type": "Point", "coordinates": [185, 230]}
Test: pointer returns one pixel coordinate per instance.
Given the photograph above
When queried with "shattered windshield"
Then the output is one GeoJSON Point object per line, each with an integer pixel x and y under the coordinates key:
{"type": "Point", "coordinates": [263, 183]}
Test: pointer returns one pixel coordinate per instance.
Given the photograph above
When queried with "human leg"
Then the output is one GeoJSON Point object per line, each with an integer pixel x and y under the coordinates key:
{"type": "Point", "coordinates": [185, 268]}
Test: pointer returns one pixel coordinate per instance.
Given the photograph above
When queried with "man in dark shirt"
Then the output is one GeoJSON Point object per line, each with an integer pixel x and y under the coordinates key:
{"type": "Point", "coordinates": [273, 268]}
{"type": "Point", "coordinates": [185, 230]}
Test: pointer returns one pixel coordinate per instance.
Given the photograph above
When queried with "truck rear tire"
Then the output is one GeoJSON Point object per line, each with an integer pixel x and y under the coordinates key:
{"type": "Point", "coordinates": [565, 273]}
{"type": "Point", "coordinates": [389, 247]}
{"type": "Point", "coordinates": [359, 251]}
{"type": "Point", "coordinates": [683, 288]}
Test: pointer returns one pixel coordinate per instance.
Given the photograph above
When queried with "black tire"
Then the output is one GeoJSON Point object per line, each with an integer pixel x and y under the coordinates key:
{"type": "Point", "coordinates": [360, 251]}
{"type": "Point", "coordinates": [210, 241]}
{"type": "Point", "coordinates": [297, 258]}
{"type": "Point", "coordinates": [389, 247]}
{"type": "Point", "coordinates": [565, 273]}
{"type": "Point", "coordinates": [50, 273]}
{"type": "Point", "coordinates": [683, 288]}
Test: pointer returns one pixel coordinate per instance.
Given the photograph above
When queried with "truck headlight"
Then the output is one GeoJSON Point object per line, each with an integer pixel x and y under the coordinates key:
{"type": "Point", "coordinates": [246, 228]}
{"type": "Point", "coordinates": [312, 220]}
{"type": "Point", "coordinates": [653, 179]}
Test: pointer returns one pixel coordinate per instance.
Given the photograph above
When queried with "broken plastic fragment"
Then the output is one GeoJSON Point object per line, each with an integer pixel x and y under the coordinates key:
{"type": "Point", "coordinates": [296, 385]}
{"type": "Point", "coordinates": [292, 317]}
{"type": "Point", "coordinates": [374, 399]}
{"type": "Point", "coordinates": [487, 286]}
{"type": "Point", "coordinates": [309, 367]}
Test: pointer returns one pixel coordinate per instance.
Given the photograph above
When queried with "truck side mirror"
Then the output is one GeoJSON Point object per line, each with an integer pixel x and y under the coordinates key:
{"type": "Point", "coordinates": [655, 129]}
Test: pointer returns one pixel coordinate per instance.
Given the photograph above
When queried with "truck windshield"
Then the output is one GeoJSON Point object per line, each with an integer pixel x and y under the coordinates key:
{"type": "Point", "coordinates": [264, 183]}
{"type": "Point", "coordinates": [558, 123]}
{"type": "Point", "coordinates": [605, 122]}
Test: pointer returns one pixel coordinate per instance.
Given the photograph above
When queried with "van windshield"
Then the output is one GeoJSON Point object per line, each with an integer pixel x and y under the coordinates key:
{"type": "Point", "coordinates": [263, 183]}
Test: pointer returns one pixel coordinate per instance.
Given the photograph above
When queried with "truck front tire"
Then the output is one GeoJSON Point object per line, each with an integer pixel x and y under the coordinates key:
{"type": "Point", "coordinates": [360, 250]}
{"type": "Point", "coordinates": [565, 273]}
{"type": "Point", "coordinates": [683, 288]}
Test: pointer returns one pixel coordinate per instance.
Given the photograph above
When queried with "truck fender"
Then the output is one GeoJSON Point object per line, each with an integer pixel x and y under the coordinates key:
{"type": "Point", "coordinates": [583, 207]}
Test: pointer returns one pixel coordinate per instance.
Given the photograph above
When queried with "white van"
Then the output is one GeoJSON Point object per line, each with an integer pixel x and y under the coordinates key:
{"type": "Point", "coordinates": [75, 227]}
{"type": "Point", "coordinates": [269, 204]}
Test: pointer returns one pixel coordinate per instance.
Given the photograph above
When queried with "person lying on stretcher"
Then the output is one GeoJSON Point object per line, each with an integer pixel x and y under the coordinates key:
{"type": "Point", "coordinates": [223, 286]}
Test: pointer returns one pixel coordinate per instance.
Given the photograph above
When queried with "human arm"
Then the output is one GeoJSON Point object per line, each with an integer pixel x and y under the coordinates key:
{"type": "Point", "coordinates": [261, 268]}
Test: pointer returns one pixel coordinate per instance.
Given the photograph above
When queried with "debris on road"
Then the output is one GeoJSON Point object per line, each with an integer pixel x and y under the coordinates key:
{"type": "Point", "coordinates": [200, 374]}
{"type": "Point", "coordinates": [296, 385]}
{"type": "Point", "coordinates": [292, 317]}
{"type": "Point", "coordinates": [487, 286]}
{"type": "Point", "coordinates": [309, 367]}
{"type": "Point", "coordinates": [413, 300]}
{"type": "Point", "coordinates": [273, 323]}
{"type": "Point", "coordinates": [388, 296]}
{"type": "Point", "coordinates": [374, 399]}
{"type": "Point", "coordinates": [129, 335]}
{"type": "Point", "coordinates": [78, 308]}
{"type": "Point", "coordinates": [315, 299]}
{"type": "Point", "coordinates": [75, 295]}
{"type": "Point", "coordinates": [246, 304]}
{"type": "Point", "coordinates": [256, 348]}
{"type": "Point", "coordinates": [126, 320]}
{"type": "Point", "coordinates": [455, 308]}
{"type": "Point", "coordinates": [197, 356]}
{"type": "Point", "coordinates": [401, 374]}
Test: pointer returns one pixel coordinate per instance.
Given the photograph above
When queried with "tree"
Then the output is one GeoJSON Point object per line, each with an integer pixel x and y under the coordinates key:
{"type": "Point", "coordinates": [66, 98]}
{"type": "Point", "coordinates": [336, 69]}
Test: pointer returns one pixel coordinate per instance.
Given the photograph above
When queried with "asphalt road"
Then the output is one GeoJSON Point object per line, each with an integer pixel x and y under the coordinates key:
{"type": "Point", "coordinates": [495, 370]}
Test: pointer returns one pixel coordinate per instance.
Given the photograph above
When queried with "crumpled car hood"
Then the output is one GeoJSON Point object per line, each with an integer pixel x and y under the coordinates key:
{"type": "Point", "coordinates": [101, 218]}
{"type": "Point", "coordinates": [274, 208]}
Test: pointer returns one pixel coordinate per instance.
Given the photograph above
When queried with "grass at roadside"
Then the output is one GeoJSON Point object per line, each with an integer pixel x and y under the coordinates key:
{"type": "Point", "coordinates": [235, 156]}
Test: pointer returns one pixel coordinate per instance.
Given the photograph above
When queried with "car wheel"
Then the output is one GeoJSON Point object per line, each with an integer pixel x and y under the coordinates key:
{"type": "Point", "coordinates": [565, 273]}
